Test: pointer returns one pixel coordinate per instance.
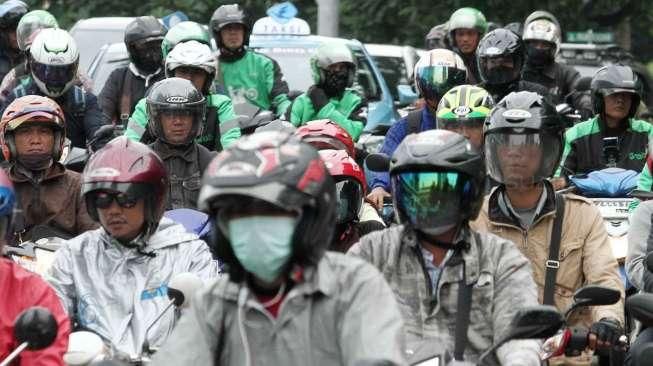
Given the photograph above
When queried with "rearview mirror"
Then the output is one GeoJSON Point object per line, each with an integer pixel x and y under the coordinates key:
{"type": "Point", "coordinates": [593, 295]}
{"type": "Point", "coordinates": [641, 307]}
{"type": "Point", "coordinates": [377, 162]}
{"type": "Point", "coordinates": [37, 327]}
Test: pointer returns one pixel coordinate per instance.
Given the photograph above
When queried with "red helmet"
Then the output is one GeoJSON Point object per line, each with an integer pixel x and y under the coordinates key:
{"type": "Point", "coordinates": [350, 183]}
{"type": "Point", "coordinates": [32, 109]}
{"type": "Point", "coordinates": [326, 134]}
{"type": "Point", "coordinates": [128, 166]}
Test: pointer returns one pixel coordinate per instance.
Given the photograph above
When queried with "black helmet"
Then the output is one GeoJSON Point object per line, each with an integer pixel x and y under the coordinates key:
{"type": "Point", "coordinates": [277, 168]}
{"type": "Point", "coordinates": [498, 44]}
{"type": "Point", "coordinates": [437, 181]}
{"type": "Point", "coordinates": [520, 121]}
{"type": "Point", "coordinates": [175, 96]}
{"type": "Point", "coordinates": [143, 37]}
{"type": "Point", "coordinates": [515, 27]}
{"type": "Point", "coordinates": [228, 14]}
{"type": "Point", "coordinates": [615, 79]}
{"type": "Point", "coordinates": [10, 13]}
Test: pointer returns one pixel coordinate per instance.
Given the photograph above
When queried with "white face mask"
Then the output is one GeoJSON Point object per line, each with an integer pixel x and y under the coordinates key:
{"type": "Point", "coordinates": [438, 230]}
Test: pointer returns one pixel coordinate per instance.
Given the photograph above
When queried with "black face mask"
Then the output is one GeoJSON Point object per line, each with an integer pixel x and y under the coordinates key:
{"type": "Point", "coordinates": [148, 60]}
{"type": "Point", "coordinates": [35, 162]}
{"type": "Point", "coordinates": [539, 57]}
{"type": "Point", "coordinates": [336, 82]}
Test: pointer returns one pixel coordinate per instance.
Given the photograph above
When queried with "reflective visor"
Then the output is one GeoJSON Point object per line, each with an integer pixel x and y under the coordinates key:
{"type": "Point", "coordinates": [431, 199]}
{"type": "Point", "coordinates": [350, 198]}
{"type": "Point", "coordinates": [437, 80]}
{"type": "Point", "coordinates": [55, 76]}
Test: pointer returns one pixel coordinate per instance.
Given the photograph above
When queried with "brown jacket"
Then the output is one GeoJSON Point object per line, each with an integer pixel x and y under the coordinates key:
{"type": "Point", "coordinates": [55, 201]}
{"type": "Point", "coordinates": [585, 255]}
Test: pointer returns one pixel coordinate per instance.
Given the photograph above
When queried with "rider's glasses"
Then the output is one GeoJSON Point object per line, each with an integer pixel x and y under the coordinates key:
{"type": "Point", "coordinates": [103, 200]}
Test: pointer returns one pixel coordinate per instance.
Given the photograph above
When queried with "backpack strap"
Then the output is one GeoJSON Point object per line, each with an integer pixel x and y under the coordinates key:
{"type": "Point", "coordinates": [414, 120]}
{"type": "Point", "coordinates": [125, 98]}
{"type": "Point", "coordinates": [553, 263]}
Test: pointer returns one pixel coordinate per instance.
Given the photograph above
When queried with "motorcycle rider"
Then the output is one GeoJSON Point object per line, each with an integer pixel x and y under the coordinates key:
{"type": "Point", "coordinates": [125, 186]}
{"type": "Point", "coordinates": [437, 37]}
{"type": "Point", "coordinates": [10, 13]}
{"type": "Point", "coordinates": [127, 85]}
{"type": "Point", "coordinates": [523, 145]}
{"type": "Point", "coordinates": [22, 289]}
{"type": "Point", "coordinates": [463, 110]}
{"type": "Point", "coordinates": [431, 87]}
{"type": "Point", "coordinates": [466, 28]}
{"type": "Point", "coordinates": [334, 71]}
{"type": "Point", "coordinates": [350, 192]}
{"type": "Point", "coordinates": [53, 62]}
{"type": "Point", "coordinates": [274, 204]}
{"type": "Point", "coordinates": [246, 76]}
{"type": "Point", "coordinates": [32, 132]}
{"type": "Point", "coordinates": [194, 61]}
{"type": "Point", "coordinates": [500, 56]}
{"type": "Point", "coordinates": [437, 187]}
{"type": "Point", "coordinates": [176, 110]}
{"type": "Point", "coordinates": [542, 37]}
{"type": "Point", "coordinates": [616, 95]}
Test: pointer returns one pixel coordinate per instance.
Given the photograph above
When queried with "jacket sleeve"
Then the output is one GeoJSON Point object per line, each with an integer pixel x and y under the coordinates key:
{"type": "Point", "coordinates": [514, 289]}
{"type": "Point", "coordinates": [600, 267]}
{"type": "Point", "coordinates": [94, 118]}
{"type": "Point", "coordinates": [371, 248]}
{"type": "Point", "coordinates": [201, 261]}
{"type": "Point", "coordinates": [60, 277]}
{"type": "Point", "coordinates": [353, 126]}
{"type": "Point", "coordinates": [137, 122]}
{"type": "Point", "coordinates": [44, 296]}
{"type": "Point", "coordinates": [111, 92]}
{"type": "Point", "coordinates": [279, 89]}
{"type": "Point", "coordinates": [568, 161]}
{"type": "Point", "coordinates": [297, 110]}
{"type": "Point", "coordinates": [365, 289]}
{"type": "Point", "coordinates": [229, 131]}
{"type": "Point", "coordinates": [393, 138]}
{"type": "Point", "coordinates": [8, 83]}
{"type": "Point", "coordinates": [195, 339]}
{"type": "Point", "coordinates": [639, 235]}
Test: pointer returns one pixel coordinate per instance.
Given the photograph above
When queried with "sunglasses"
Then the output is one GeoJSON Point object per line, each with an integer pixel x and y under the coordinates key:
{"type": "Point", "coordinates": [103, 200]}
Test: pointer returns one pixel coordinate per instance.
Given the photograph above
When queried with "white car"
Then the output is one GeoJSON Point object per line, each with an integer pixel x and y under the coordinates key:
{"type": "Point", "coordinates": [93, 33]}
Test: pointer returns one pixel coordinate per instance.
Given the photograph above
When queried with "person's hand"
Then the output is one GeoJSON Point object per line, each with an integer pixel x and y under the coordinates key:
{"type": "Point", "coordinates": [376, 197]}
{"type": "Point", "coordinates": [558, 183]}
{"type": "Point", "coordinates": [604, 333]}
{"type": "Point", "coordinates": [318, 97]}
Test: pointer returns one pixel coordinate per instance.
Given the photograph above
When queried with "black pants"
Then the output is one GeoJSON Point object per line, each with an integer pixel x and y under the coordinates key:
{"type": "Point", "coordinates": [644, 338]}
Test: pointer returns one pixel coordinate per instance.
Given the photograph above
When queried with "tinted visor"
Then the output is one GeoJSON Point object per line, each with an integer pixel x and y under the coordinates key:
{"type": "Point", "coordinates": [429, 200]}
{"type": "Point", "coordinates": [54, 76]}
{"type": "Point", "coordinates": [434, 81]}
{"type": "Point", "coordinates": [350, 198]}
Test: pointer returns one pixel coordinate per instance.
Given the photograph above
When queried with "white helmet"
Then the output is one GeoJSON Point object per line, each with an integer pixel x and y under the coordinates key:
{"type": "Point", "coordinates": [437, 71]}
{"type": "Point", "coordinates": [543, 30]}
{"type": "Point", "coordinates": [53, 61]}
{"type": "Point", "coordinates": [192, 54]}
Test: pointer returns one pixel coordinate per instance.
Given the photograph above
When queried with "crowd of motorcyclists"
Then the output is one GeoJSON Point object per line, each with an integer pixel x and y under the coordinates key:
{"type": "Point", "coordinates": [300, 266]}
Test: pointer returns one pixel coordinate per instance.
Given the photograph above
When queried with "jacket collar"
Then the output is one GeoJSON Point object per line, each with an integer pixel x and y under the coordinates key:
{"type": "Point", "coordinates": [497, 215]}
{"type": "Point", "coordinates": [55, 170]}
{"type": "Point", "coordinates": [165, 151]}
{"type": "Point", "coordinates": [549, 71]}
{"type": "Point", "coordinates": [147, 77]}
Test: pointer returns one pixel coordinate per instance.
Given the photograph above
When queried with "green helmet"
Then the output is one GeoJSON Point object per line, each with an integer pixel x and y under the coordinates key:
{"type": "Point", "coordinates": [329, 54]}
{"type": "Point", "coordinates": [182, 32]}
{"type": "Point", "coordinates": [464, 104]}
{"type": "Point", "coordinates": [469, 18]}
{"type": "Point", "coordinates": [30, 23]}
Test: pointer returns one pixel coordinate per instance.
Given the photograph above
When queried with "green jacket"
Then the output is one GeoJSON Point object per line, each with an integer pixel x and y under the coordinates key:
{"type": "Point", "coordinates": [344, 112]}
{"type": "Point", "coordinates": [224, 118]}
{"type": "Point", "coordinates": [256, 79]}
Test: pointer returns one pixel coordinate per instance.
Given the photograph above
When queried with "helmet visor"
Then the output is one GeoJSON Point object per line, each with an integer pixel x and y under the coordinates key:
{"type": "Point", "coordinates": [350, 198]}
{"type": "Point", "coordinates": [521, 159]}
{"type": "Point", "coordinates": [431, 200]}
{"type": "Point", "coordinates": [177, 124]}
{"type": "Point", "coordinates": [434, 81]}
{"type": "Point", "coordinates": [54, 76]}
{"type": "Point", "coordinates": [500, 69]}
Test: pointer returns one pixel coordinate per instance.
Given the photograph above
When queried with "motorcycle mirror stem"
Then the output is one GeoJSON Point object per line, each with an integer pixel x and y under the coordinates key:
{"type": "Point", "coordinates": [35, 329]}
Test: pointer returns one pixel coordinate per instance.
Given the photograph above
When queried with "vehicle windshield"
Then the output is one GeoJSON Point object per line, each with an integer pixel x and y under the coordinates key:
{"type": "Point", "coordinates": [105, 66]}
{"type": "Point", "coordinates": [394, 72]}
{"type": "Point", "coordinates": [295, 65]}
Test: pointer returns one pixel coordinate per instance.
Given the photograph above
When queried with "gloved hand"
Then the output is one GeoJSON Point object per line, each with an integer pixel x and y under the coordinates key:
{"type": "Point", "coordinates": [605, 333]}
{"type": "Point", "coordinates": [318, 97]}
{"type": "Point", "coordinates": [101, 137]}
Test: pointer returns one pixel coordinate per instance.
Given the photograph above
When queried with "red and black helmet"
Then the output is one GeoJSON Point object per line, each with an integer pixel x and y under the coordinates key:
{"type": "Point", "coordinates": [132, 168]}
{"type": "Point", "coordinates": [350, 183]}
{"type": "Point", "coordinates": [277, 168]}
{"type": "Point", "coordinates": [326, 134]}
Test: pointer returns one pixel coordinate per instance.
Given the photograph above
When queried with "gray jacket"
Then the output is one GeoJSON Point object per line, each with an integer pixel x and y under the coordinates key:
{"type": "Point", "coordinates": [341, 313]}
{"type": "Point", "coordinates": [639, 236]}
{"type": "Point", "coordinates": [502, 279]}
{"type": "Point", "coordinates": [117, 292]}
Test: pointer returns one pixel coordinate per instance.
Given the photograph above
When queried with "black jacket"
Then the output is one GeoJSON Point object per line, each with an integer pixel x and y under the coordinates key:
{"type": "Point", "coordinates": [498, 92]}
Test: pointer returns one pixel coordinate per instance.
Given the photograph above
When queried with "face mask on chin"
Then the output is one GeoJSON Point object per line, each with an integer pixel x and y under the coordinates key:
{"type": "Point", "coordinates": [35, 162]}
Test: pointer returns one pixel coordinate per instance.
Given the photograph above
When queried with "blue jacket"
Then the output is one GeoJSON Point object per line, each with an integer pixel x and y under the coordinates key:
{"type": "Point", "coordinates": [393, 138]}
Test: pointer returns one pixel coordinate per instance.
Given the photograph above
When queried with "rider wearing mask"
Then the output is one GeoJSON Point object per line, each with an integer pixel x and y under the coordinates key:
{"type": "Point", "coordinates": [246, 76]}
{"type": "Point", "coordinates": [542, 37]}
{"type": "Point", "coordinates": [113, 280]}
{"type": "Point", "coordinates": [194, 61]}
{"type": "Point", "coordinates": [616, 93]}
{"type": "Point", "coordinates": [350, 193]}
{"type": "Point", "coordinates": [466, 28]}
{"type": "Point", "coordinates": [21, 289]}
{"type": "Point", "coordinates": [127, 85]}
{"type": "Point", "coordinates": [334, 71]}
{"type": "Point", "coordinates": [273, 204]}
{"type": "Point", "coordinates": [434, 262]}
{"type": "Point", "coordinates": [10, 13]}
{"type": "Point", "coordinates": [500, 57]}
{"type": "Point", "coordinates": [176, 110]}
{"type": "Point", "coordinates": [523, 145]}
{"type": "Point", "coordinates": [463, 110]}
{"type": "Point", "coordinates": [32, 132]}
{"type": "Point", "coordinates": [53, 61]}
{"type": "Point", "coordinates": [435, 73]}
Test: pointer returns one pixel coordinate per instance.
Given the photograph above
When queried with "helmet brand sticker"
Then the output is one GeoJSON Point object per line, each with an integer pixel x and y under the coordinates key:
{"type": "Point", "coordinates": [462, 110]}
{"type": "Point", "coordinates": [104, 173]}
{"type": "Point", "coordinates": [517, 114]}
{"type": "Point", "coordinates": [236, 169]}
{"type": "Point", "coordinates": [177, 99]}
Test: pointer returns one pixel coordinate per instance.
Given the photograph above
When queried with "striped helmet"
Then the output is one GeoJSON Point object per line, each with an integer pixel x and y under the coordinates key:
{"type": "Point", "coordinates": [464, 104]}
